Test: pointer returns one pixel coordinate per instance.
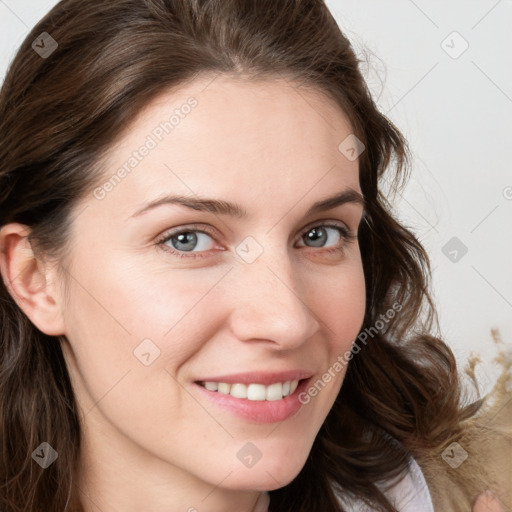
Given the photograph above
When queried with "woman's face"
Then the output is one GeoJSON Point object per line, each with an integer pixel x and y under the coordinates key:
{"type": "Point", "coordinates": [162, 297]}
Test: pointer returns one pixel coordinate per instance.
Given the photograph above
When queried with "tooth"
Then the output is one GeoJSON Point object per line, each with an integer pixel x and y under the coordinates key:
{"type": "Point", "coordinates": [239, 390]}
{"type": "Point", "coordinates": [256, 392]}
{"type": "Point", "coordinates": [212, 386]}
{"type": "Point", "coordinates": [224, 388]}
{"type": "Point", "coordinates": [275, 391]}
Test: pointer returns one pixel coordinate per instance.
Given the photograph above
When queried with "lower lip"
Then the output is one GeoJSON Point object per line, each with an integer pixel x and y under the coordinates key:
{"type": "Point", "coordinates": [259, 411]}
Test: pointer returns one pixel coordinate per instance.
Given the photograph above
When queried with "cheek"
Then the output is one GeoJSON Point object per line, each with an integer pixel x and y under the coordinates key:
{"type": "Point", "coordinates": [122, 321]}
{"type": "Point", "coordinates": [142, 299]}
{"type": "Point", "coordinates": [341, 307]}
{"type": "Point", "coordinates": [127, 316]}
{"type": "Point", "coordinates": [341, 303]}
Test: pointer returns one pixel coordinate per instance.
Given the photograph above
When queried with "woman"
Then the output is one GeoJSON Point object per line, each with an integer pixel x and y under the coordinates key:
{"type": "Point", "coordinates": [206, 302]}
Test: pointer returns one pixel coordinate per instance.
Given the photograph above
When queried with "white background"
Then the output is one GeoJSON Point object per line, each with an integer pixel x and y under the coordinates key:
{"type": "Point", "coordinates": [456, 112]}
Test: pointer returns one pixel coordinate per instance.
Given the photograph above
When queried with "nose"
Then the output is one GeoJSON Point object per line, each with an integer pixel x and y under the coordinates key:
{"type": "Point", "coordinates": [269, 303]}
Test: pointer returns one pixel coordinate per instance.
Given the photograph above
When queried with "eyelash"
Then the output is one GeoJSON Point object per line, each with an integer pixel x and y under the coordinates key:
{"type": "Point", "coordinates": [346, 235]}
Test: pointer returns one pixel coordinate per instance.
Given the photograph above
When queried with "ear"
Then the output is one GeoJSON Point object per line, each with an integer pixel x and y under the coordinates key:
{"type": "Point", "coordinates": [31, 283]}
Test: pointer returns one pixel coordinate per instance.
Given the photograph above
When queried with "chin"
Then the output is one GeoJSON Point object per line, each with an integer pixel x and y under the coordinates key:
{"type": "Point", "coordinates": [268, 475]}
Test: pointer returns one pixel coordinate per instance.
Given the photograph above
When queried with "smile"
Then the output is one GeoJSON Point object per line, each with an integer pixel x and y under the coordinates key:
{"type": "Point", "coordinates": [256, 402]}
{"type": "Point", "coordinates": [256, 392]}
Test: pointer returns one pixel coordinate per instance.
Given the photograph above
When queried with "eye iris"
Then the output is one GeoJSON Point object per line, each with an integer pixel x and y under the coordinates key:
{"type": "Point", "coordinates": [318, 238]}
{"type": "Point", "coordinates": [188, 238]}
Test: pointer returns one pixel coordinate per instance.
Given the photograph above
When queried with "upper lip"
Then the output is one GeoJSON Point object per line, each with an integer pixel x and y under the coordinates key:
{"type": "Point", "coordinates": [260, 377]}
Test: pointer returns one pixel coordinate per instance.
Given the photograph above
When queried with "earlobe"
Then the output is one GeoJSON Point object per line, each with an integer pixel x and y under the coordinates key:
{"type": "Point", "coordinates": [29, 281]}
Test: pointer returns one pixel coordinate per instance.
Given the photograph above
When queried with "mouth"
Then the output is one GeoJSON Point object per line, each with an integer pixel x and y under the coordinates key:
{"type": "Point", "coordinates": [254, 391]}
{"type": "Point", "coordinates": [256, 402]}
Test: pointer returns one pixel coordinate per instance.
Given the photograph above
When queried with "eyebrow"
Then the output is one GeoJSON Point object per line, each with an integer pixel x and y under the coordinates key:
{"type": "Point", "coordinates": [221, 207]}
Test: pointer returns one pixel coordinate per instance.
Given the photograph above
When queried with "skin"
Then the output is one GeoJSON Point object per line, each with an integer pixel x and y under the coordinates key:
{"type": "Point", "coordinates": [488, 502]}
{"type": "Point", "coordinates": [152, 440]}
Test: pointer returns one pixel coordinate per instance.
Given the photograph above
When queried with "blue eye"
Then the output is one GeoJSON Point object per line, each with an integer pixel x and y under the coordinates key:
{"type": "Point", "coordinates": [188, 240]}
{"type": "Point", "coordinates": [318, 235]}
{"type": "Point", "coordinates": [192, 242]}
{"type": "Point", "coordinates": [182, 242]}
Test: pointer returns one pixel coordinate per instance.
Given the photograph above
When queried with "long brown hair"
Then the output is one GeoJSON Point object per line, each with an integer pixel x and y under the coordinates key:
{"type": "Point", "coordinates": [60, 114]}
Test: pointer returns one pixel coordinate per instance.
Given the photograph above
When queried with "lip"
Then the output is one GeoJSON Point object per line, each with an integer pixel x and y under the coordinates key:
{"type": "Point", "coordinates": [256, 411]}
{"type": "Point", "coordinates": [260, 377]}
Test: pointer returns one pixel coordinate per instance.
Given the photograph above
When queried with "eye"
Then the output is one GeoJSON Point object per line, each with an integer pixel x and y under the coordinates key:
{"type": "Point", "coordinates": [324, 235]}
{"type": "Point", "coordinates": [189, 240]}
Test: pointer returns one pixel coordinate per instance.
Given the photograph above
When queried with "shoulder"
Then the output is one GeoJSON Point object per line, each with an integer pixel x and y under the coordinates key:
{"type": "Point", "coordinates": [411, 494]}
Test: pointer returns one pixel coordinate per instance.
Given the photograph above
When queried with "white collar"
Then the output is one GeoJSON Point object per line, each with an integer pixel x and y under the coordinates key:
{"type": "Point", "coordinates": [410, 495]}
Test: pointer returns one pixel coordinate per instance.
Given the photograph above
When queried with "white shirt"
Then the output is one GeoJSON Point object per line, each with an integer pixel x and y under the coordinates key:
{"type": "Point", "coordinates": [410, 495]}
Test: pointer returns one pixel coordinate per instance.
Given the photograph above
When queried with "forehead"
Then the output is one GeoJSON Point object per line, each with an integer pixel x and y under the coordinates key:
{"type": "Point", "coordinates": [233, 137]}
